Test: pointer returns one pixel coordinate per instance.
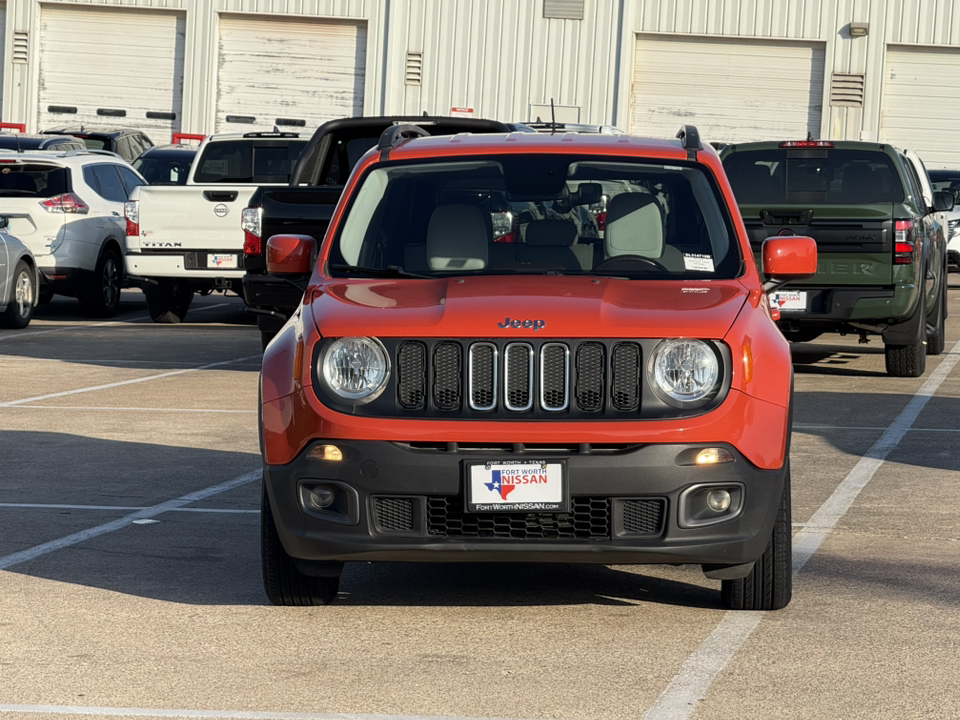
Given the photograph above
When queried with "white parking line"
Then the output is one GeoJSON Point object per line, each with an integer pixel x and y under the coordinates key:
{"type": "Point", "coordinates": [118, 508]}
{"type": "Point", "coordinates": [876, 429]}
{"type": "Point", "coordinates": [216, 714]}
{"type": "Point", "coordinates": [78, 537]}
{"type": "Point", "coordinates": [679, 701]}
{"type": "Point", "coordinates": [133, 409]}
{"type": "Point", "coordinates": [107, 386]}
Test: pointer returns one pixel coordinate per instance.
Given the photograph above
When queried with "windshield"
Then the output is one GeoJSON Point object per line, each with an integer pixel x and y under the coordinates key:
{"type": "Point", "coordinates": [248, 161]}
{"type": "Point", "coordinates": [32, 180]}
{"type": "Point", "coordinates": [542, 214]}
{"type": "Point", "coordinates": [818, 175]}
{"type": "Point", "coordinates": [165, 169]}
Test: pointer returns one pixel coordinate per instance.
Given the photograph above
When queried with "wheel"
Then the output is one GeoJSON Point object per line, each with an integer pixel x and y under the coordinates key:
{"type": "Point", "coordinates": [20, 308]}
{"type": "Point", "coordinates": [769, 586]}
{"type": "Point", "coordinates": [102, 298]}
{"type": "Point", "coordinates": [937, 330]}
{"type": "Point", "coordinates": [168, 301]}
{"type": "Point", "coordinates": [282, 580]}
{"type": "Point", "coordinates": [907, 360]}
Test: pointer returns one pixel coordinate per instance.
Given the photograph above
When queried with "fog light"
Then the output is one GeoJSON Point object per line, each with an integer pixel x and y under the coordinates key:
{"type": "Point", "coordinates": [718, 500]}
{"type": "Point", "coordinates": [712, 456]}
{"type": "Point", "coordinates": [322, 498]}
{"type": "Point", "coordinates": [326, 452]}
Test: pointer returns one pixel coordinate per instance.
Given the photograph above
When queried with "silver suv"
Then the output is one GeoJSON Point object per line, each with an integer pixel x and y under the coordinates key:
{"type": "Point", "coordinates": [67, 207]}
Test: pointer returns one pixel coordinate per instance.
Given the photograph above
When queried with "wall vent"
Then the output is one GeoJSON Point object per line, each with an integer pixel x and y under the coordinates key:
{"type": "Point", "coordinates": [414, 72]}
{"type": "Point", "coordinates": [21, 47]}
{"type": "Point", "coordinates": [846, 90]}
{"type": "Point", "coordinates": [563, 9]}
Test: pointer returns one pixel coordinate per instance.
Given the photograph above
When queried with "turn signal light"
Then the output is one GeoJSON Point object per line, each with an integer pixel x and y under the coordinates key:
{"type": "Point", "coordinates": [714, 456]}
{"type": "Point", "coordinates": [326, 452]}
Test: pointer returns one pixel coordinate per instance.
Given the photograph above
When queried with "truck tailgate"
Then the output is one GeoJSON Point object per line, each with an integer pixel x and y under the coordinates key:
{"type": "Point", "coordinates": [854, 245]}
{"type": "Point", "coordinates": [190, 217]}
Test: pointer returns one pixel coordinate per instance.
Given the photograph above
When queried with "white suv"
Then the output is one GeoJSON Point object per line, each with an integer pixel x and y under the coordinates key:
{"type": "Point", "coordinates": [67, 207]}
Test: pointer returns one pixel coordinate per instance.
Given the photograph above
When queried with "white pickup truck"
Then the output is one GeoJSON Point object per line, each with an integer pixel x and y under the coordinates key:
{"type": "Point", "coordinates": [185, 239]}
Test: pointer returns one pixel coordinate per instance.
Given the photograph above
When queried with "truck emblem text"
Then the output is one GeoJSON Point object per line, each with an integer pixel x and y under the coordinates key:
{"type": "Point", "coordinates": [159, 244]}
{"type": "Point", "coordinates": [535, 324]}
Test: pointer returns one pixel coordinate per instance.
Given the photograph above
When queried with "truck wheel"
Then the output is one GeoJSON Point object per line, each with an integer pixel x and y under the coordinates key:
{"type": "Point", "coordinates": [168, 302]}
{"type": "Point", "coordinates": [282, 581]}
{"type": "Point", "coordinates": [20, 308]}
{"type": "Point", "coordinates": [937, 330]}
{"type": "Point", "coordinates": [102, 298]}
{"type": "Point", "coordinates": [907, 360]}
{"type": "Point", "coordinates": [769, 586]}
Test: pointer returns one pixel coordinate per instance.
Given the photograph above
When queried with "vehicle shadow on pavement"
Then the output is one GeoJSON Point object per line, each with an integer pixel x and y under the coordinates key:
{"type": "Point", "coordinates": [809, 358]}
{"type": "Point", "coordinates": [522, 584]}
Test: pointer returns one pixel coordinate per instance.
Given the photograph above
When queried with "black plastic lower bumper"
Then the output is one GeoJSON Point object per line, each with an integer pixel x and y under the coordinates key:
{"type": "Point", "coordinates": [631, 505]}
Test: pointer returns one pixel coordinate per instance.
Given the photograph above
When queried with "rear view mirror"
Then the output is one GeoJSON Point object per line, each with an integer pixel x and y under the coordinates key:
{"type": "Point", "coordinates": [788, 257]}
{"type": "Point", "coordinates": [589, 194]}
{"type": "Point", "coordinates": [943, 201]}
{"type": "Point", "coordinates": [291, 256]}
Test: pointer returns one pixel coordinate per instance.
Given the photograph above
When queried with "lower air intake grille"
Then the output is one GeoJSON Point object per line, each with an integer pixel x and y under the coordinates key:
{"type": "Point", "coordinates": [589, 519]}
{"type": "Point", "coordinates": [643, 517]}
{"type": "Point", "coordinates": [394, 513]}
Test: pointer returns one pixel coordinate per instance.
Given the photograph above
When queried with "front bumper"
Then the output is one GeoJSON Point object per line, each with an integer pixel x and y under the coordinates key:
{"type": "Point", "coordinates": [607, 485]}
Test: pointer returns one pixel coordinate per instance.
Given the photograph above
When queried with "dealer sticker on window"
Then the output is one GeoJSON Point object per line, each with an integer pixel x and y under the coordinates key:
{"type": "Point", "coordinates": [517, 485]}
{"type": "Point", "coordinates": [698, 262]}
{"type": "Point", "coordinates": [222, 261]}
{"type": "Point", "coordinates": [790, 300]}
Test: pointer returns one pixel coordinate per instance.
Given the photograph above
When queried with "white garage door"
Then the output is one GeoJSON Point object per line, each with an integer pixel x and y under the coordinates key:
{"type": "Point", "coordinates": [921, 105]}
{"type": "Point", "coordinates": [131, 75]}
{"type": "Point", "coordinates": [288, 73]}
{"type": "Point", "coordinates": [732, 90]}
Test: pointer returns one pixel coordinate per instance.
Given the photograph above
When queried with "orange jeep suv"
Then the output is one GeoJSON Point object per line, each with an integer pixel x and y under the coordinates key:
{"type": "Point", "coordinates": [577, 395]}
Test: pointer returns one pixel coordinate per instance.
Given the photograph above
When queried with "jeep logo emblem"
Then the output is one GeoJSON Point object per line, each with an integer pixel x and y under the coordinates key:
{"type": "Point", "coordinates": [221, 210]}
{"type": "Point", "coordinates": [535, 324]}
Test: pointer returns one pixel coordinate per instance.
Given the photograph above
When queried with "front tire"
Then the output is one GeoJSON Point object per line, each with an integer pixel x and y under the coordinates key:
{"type": "Point", "coordinates": [769, 586]}
{"type": "Point", "coordinates": [102, 298]}
{"type": "Point", "coordinates": [168, 302]}
{"type": "Point", "coordinates": [20, 308]}
{"type": "Point", "coordinates": [282, 580]}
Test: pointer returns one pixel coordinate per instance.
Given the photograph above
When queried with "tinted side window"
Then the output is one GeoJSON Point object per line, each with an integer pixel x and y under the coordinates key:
{"type": "Point", "coordinates": [916, 187]}
{"type": "Point", "coordinates": [110, 186]}
{"type": "Point", "coordinates": [129, 178]}
{"type": "Point", "coordinates": [126, 150]}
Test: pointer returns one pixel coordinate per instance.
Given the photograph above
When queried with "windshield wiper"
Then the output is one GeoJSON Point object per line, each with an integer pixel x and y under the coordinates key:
{"type": "Point", "coordinates": [389, 271]}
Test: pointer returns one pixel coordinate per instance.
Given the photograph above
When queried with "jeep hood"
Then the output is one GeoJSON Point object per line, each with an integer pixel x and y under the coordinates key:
{"type": "Point", "coordinates": [545, 306]}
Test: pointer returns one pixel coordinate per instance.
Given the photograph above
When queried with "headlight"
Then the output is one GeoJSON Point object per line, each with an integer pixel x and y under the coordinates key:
{"type": "Point", "coordinates": [684, 372]}
{"type": "Point", "coordinates": [355, 368]}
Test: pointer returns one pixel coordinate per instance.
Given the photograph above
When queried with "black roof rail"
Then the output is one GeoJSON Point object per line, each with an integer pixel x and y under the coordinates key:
{"type": "Point", "coordinates": [393, 136]}
{"type": "Point", "coordinates": [689, 138]}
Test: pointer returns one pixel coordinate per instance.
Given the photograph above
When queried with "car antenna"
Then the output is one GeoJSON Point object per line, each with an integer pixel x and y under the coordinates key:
{"type": "Point", "coordinates": [553, 119]}
{"type": "Point", "coordinates": [19, 149]}
{"type": "Point", "coordinates": [809, 135]}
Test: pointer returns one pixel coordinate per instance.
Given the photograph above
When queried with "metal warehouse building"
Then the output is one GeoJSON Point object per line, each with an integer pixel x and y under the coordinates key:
{"type": "Point", "coordinates": [740, 70]}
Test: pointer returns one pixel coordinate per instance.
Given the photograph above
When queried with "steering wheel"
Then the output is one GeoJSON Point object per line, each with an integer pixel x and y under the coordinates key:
{"type": "Point", "coordinates": [616, 260]}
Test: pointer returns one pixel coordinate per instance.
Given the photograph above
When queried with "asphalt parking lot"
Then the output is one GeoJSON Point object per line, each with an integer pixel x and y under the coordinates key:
{"type": "Point", "coordinates": [130, 572]}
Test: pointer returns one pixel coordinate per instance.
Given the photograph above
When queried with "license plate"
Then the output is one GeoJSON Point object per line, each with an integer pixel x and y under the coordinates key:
{"type": "Point", "coordinates": [222, 261]}
{"type": "Point", "coordinates": [517, 486]}
{"type": "Point", "coordinates": [787, 300]}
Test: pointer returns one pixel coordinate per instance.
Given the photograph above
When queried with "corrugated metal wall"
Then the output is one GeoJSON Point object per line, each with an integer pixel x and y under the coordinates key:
{"type": "Point", "coordinates": [500, 56]}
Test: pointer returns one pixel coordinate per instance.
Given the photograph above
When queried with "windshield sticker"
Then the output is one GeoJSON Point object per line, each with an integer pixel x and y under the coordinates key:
{"type": "Point", "coordinates": [215, 167]}
{"type": "Point", "coordinates": [699, 263]}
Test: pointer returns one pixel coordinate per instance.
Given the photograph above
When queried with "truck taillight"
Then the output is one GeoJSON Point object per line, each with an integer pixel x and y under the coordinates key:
{"type": "Point", "coordinates": [131, 211]}
{"type": "Point", "coordinates": [66, 203]}
{"type": "Point", "coordinates": [904, 244]}
{"type": "Point", "coordinates": [250, 222]}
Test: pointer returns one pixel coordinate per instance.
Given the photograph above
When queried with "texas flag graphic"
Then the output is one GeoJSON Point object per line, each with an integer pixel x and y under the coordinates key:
{"type": "Point", "coordinates": [498, 487]}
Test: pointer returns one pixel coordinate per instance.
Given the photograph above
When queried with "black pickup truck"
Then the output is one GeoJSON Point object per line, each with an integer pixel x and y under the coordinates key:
{"type": "Point", "coordinates": [882, 266]}
{"type": "Point", "coordinates": [307, 204]}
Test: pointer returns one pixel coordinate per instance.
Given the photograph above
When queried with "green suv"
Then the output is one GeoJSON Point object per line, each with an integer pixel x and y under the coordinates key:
{"type": "Point", "coordinates": [882, 265]}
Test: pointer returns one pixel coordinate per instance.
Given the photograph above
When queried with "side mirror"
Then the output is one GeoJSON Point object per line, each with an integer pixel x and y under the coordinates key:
{"type": "Point", "coordinates": [943, 201]}
{"type": "Point", "coordinates": [4, 222]}
{"type": "Point", "coordinates": [291, 257]}
{"type": "Point", "coordinates": [788, 257]}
